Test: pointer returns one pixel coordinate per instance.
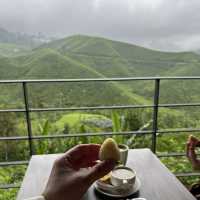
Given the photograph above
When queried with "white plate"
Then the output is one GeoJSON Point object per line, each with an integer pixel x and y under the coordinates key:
{"type": "Point", "coordinates": [135, 189]}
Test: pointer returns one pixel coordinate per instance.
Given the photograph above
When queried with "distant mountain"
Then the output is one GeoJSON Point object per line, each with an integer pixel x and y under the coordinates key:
{"type": "Point", "coordinates": [21, 38]}
{"type": "Point", "coordinates": [118, 59]}
{"type": "Point", "coordinates": [17, 44]}
{"type": "Point", "coordinates": [89, 57]}
{"type": "Point", "coordinates": [114, 58]}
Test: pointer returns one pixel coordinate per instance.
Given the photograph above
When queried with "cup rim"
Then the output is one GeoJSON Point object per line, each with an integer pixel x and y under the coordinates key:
{"type": "Point", "coordinates": [123, 167]}
{"type": "Point", "coordinates": [123, 145]}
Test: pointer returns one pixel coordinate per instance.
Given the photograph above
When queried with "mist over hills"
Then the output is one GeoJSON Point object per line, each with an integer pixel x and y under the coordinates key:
{"type": "Point", "coordinates": [17, 44]}
{"type": "Point", "coordinates": [22, 38]}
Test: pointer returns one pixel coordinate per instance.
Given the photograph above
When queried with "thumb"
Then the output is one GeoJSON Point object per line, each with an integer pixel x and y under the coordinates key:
{"type": "Point", "coordinates": [100, 170]}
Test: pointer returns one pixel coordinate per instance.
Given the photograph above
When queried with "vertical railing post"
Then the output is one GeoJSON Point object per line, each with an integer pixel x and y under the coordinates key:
{"type": "Point", "coordinates": [155, 114]}
{"type": "Point", "coordinates": [28, 119]}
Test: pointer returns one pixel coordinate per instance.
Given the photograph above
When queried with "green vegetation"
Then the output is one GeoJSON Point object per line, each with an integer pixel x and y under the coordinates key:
{"type": "Point", "coordinates": [90, 57]}
{"type": "Point", "coordinates": [75, 119]}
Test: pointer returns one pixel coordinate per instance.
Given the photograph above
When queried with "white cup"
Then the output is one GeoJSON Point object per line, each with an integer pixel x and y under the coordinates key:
{"type": "Point", "coordinates": [123, 177]}
{"type": "Point", "coordinates": [123, 153]}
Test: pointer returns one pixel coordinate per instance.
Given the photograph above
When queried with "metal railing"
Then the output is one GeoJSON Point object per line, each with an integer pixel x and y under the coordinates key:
{"type": "Point", "coordinates": [155, 106]}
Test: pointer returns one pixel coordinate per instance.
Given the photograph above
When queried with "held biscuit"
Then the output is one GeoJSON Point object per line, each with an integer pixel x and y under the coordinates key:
{"type": "Point", "coordinates": [109, 150]}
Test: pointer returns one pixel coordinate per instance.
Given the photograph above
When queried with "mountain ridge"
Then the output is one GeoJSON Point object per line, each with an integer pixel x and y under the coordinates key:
{"type": "Point", "coordinates": [87, 37]}
{"type": "Point", "coordinates": [93, 57]}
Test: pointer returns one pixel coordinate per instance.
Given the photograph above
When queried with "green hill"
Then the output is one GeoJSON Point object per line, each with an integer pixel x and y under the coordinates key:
{"type": "Point", "coordinates": [109, 58]}
{"type": "Point", "coordinates": [92, 57]}
{"type": "Point", "coordinates": [49, 63]}
{"type": "Point", "coordinates": [118, 59]}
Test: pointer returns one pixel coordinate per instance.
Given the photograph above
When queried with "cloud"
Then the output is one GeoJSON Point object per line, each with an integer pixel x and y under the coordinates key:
{"type": "Point", "coordinates": [160, 24]}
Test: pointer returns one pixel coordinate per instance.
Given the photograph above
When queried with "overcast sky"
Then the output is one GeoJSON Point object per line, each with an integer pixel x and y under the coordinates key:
{"type": "Point", "coordinates": [159, 24]}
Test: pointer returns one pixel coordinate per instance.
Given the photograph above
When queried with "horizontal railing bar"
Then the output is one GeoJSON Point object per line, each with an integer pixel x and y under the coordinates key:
{"type": "Point", "coordinates": [14, 163]}
{"type": "Point", "coordinates": [98, 134]}
{"type": "Point", "coordinates": [90, 108]}
{"type": "Point", "coordinates": [13, 138]}
{"type": "Point", "coordinates": [179, 130]}
{"type": "Point", "coordinates": [9, 186]}
{"type": "Point", "coordinates": [101, 79]}
{"type": "Point", "coordinates": [179, 105]}
{"type": "Point", "coordinates": [173, 154]}
{"type": "Point", "coordinates": [12, 110]}
{"type": "Point", "coordinates": [75, 135]}
{"type": "Point", "coordinates": [186, 174]}
{"type": "Point", "coordinates": [99, 107]}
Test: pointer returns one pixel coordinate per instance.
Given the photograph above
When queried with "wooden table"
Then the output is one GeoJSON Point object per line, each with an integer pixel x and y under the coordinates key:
{"type": "Point", "coordinates": [158, 183]}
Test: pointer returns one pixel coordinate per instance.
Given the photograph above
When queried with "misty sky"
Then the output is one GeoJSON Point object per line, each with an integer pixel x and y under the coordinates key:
{"type": "Point", "coordinates": [159, 24]}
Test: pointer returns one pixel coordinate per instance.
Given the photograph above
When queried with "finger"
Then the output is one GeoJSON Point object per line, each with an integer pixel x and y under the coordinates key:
{"type": "Point", "coordinates": [100, 170]}
{"type": "Point", "coordinates": [187, 149]}
{"type": "Point", "coordinates": [193, 140]}
{"type": "Point", "coordinates": [193, 155]}
{"type": "Point", "coordinates": [190, 152]}
{"type": "Point", "coordinates": [193, 158]}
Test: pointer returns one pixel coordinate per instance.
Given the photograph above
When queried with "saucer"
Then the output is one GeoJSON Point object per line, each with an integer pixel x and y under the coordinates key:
{"type": "Point", "coordinates": [111, 191]}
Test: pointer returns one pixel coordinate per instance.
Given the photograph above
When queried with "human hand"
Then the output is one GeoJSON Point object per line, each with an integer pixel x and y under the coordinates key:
{"type": "Point", "coordinates": [75, 171]}
{"type": "Point", "coordinates": [192, 143]}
